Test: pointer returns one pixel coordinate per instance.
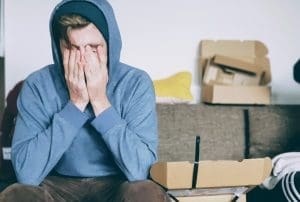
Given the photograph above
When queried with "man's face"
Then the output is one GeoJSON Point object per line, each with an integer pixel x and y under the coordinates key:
{"type": "Point", "coordinates": [80, 38]}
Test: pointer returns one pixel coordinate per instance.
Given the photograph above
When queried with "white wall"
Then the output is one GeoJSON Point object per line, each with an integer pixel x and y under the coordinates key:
{"type": "Point", "coordinates": [162, 37]}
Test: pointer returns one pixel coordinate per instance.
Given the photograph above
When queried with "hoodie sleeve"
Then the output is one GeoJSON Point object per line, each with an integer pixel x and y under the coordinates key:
{"type": "Point", "coordinates": [40, 139]}
{"type": "Point", "coordinates": [132, 139]}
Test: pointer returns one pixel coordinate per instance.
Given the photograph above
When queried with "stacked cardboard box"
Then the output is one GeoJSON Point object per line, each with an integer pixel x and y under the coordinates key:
{"type": "Point", "coordinates": [218, 181]}
{"type": "Point", "coordinates": [235, 72]}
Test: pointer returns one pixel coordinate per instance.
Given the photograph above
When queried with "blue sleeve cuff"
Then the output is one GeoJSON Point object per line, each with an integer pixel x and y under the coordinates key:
{"type": "Point", "coordinates": [73, 115]}
{"type": "Point", "coordinates": [106, 120]}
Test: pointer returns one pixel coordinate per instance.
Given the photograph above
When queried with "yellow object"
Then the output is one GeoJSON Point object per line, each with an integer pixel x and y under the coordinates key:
{"type": "Point", "coordinates": [176, 86]}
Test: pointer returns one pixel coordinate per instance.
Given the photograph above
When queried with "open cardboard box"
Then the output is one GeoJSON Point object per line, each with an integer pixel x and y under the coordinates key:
{"type": "Point", "coordinates": [235, 72]}
{"type": "Point", "coordinates": [212, 175]}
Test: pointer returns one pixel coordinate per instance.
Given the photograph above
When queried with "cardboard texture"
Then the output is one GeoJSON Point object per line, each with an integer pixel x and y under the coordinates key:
{"type": "Point", "coordinates": [218, 71]}
{"type": "Point", "coordinates": [221, 94]}
{"type": "Point", "coordinates": [217, 198]}
{"type": "Point", "coordinates": [178, 175]}
{"type": "Point", "coordinates": [238, 65]}
{"type": "Point", "coordinates": [248, 51]}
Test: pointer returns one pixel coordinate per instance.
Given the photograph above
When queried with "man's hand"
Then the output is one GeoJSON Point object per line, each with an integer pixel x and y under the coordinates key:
{"type": "Point", "coordinates": [96, 78]}
{"type": "Point", "coordinates": [74, 75]}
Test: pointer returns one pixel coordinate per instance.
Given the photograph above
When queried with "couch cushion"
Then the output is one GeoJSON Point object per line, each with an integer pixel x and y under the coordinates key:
{"type": "Point", "coordinates": [221, 130]}
{"type": "Point", "coordinates": [273, 130]}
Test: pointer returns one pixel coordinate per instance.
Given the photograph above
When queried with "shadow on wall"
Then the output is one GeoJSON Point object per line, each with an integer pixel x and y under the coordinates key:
{"type": "Point", "coordinates": [2, 86]}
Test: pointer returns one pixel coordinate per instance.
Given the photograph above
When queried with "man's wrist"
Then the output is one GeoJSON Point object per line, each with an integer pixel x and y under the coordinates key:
{"type": "Point", "coordinates": [100, 106]}
{"type": "Point", "coordinates": [80, 106]}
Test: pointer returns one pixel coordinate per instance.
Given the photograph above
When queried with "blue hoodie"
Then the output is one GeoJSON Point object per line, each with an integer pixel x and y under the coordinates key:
{"type": "Point", "coordinates": [51, 133]}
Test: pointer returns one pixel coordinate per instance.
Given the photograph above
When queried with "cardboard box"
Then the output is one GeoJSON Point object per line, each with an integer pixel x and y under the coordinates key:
{"type": "Point", "coordinates": [237, 64]}
{"type": "Point", "coordinates": [178, 175]}
{"type": "Point", "coordinates": [216, 198]}
{"type": "Point", "coordinates": [222, 94]}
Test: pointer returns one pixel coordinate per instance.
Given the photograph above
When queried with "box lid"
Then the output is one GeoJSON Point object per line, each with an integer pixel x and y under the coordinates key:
{"type": "Point", "coordinates": [237, 64]}
{"type": "Point", "coordinates": [248, 51]}
{"type": "Point", "coordinates": [223, 173]}
{"type": "Point", "coordinates": [225, 70]}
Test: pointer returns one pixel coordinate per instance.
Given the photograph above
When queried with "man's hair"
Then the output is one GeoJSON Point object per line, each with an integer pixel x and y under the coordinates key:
{"type": "Point", "coordinates": [68, 22]}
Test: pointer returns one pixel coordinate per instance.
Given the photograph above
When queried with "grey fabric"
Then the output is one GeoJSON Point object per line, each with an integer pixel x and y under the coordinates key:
{"type": "Point", "coordinates": [221, 130]}
{"type": "Point", "coordinates": [274, 130]}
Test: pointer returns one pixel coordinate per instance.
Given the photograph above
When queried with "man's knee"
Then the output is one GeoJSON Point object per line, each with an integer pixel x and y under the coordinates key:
{"type": "Point", "coordinates": [13, 190]}
{"type": "Point", "coordinates": [142, 191]}
{"type": "Point", "coordinates": [19, 192]}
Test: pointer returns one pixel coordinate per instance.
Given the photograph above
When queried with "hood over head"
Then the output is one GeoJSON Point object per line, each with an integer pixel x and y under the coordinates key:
{"type": "Point", "coordinates": [101, 14]}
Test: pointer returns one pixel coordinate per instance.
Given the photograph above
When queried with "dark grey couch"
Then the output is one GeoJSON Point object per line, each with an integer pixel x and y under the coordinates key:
{"type": "Point", "coordinates": [227, 132]}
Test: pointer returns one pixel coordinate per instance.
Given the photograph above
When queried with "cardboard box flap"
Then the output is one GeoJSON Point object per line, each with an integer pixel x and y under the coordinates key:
{"type": "Point", "coordinates": [265, 64]}
{"type": "Point", "coordinates": [247, 51]}
{"type": "Point", "coordinates": [236, 64]}
{"type": "Point", "coordinates": [225, 74]}
{"type": "Point", "coordinates": [237, 48]}
{"type": "Point", "coordinates": [178, 175]}
{"type": "Point", "coordinates": [260, 48]}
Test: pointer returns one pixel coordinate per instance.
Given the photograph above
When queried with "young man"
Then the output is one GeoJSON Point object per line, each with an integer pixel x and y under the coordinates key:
{"type": "Point", "coordinates": [88, 118]}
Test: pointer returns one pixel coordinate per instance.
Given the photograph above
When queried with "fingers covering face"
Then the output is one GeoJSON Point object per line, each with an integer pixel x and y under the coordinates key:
{"type": "Point", "coordinates": [89, 62]}
{"type": "Point", "coordinates": [76, 66]}
{"type": "Point", "coordinates": [102, 54]}
{"type": "Point", "coordinates": [66, 56]}
{"type": "Point", "coordinates": [72, 62]}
